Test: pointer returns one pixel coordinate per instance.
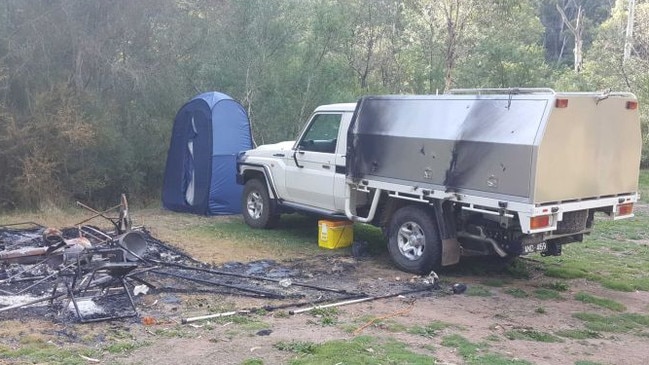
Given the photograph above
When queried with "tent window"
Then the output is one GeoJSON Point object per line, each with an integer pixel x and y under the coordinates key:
{"type": "Point", "coordinates": [189, 165]}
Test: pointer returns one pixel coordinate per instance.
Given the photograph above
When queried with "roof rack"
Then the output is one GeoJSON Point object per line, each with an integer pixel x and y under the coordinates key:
{"type": "Point", "coordinates": [506, 91]}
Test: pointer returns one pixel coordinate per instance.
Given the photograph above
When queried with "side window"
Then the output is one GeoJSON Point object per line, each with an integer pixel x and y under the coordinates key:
{"type": "Point", "coordinates": [322, 134]}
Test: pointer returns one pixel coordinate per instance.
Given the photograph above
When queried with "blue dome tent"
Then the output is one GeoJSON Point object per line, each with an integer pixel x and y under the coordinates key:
{"type": "Point", "coordinates": [200, 176]}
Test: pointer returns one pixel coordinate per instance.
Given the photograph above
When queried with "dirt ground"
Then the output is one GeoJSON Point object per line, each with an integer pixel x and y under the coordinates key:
{"type": "Point", "coordinates": [473, 317]}
{"type": "Point", "coordinates": [477, 318]}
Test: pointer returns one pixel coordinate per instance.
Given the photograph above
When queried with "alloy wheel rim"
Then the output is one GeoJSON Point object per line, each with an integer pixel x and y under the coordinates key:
{"type": "Point", "coordinates": [255, 205]}
{"type": "Point", "coordinates": [411, 240]}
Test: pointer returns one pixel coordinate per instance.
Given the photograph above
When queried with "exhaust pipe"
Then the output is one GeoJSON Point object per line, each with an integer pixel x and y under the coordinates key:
{"type": "Point", "coordinates": [484, 239]}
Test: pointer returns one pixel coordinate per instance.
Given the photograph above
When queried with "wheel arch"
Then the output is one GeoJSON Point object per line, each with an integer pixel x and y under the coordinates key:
{"type": "Point", "coordinates": [442, 218]}
{"type": "Point", "coordinates": [259, 172]}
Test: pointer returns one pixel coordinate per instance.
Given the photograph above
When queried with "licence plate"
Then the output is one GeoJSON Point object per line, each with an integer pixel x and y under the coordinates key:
{"type": "Point", "coordinates": [539, 247]}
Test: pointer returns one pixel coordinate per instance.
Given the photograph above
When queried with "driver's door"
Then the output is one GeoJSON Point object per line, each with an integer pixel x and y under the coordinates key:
{"type": "Point", "coordinates": [310, 179]}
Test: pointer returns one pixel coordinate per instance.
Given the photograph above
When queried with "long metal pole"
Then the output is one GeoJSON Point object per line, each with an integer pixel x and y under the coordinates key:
{"type": "Point", "coordinates": [359, 300]}
{"type": "Point", "coordinates": [268, 308]}
{"type": "Point", "coordinates": [215, 315]}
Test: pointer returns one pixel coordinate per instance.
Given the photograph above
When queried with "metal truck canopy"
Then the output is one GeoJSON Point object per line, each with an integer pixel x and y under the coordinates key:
{"type": "Point", "coordinates": [523, 146]}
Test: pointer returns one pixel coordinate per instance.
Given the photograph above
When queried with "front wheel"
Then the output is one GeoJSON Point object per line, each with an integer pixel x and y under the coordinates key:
{"type": "Point", "coordinates": [257, 208]}
{"type": "Point", "coordinates": [413, 240]}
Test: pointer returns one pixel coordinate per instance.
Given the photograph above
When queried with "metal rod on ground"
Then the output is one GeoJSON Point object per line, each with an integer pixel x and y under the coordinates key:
{"type": "Point", "coordinates": [209, 282]}
{"type": "Point", "coordinates": [268, 308]}
{"type": "Point", "coordinates": [360, 300]}
{"type": "Point", "coordinates": [215, 315]}
{"type": "Point", "coordinates": [226, 273]}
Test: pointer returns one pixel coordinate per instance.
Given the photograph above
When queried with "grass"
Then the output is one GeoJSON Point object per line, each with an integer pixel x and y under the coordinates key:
{"type": "Point", "coordinates": [478, 291]}
{"type": "Point", "coordinates": [326, 316]}
{"type": "Point", "coordinates": [45, 353]}
{"type": "Point", "coordinates": [253, 361]}
{"type": "Point", "coordinates": [37, 350]}
{"type": "Point", "coordinates": [496, 283]}
{"type": "Point", "coordinates": [517, 293]}
{"type": "Point", "coordinates": [578, 334]}
{"type": "Point", "coordinates": [476, 353]}
{"type": "Point", "coordinates": [547, 294]}
{"type": "Point", "coordinates": [620, 323]}
{"type": "Point", "coordinates": [531, 335]}
{"type": "Point", "coordinates": [293, 230]}
{"type": "Point", "coordinates": [644, 186]}
{"type": "Point", "coordinates": [615, 255]}
{"type": "Point", "coordinates": [430, 330]}
{"type": "Point", "coordinates": [359, 350]}
{"type": "Point", "coordinates": [556, 285]}
{"type": "Point", "coordinates": [298, 347]}
{"type": "Point", "coordinates": [389, 325]}
{"type": "Point", "coordinates": [602, 302]}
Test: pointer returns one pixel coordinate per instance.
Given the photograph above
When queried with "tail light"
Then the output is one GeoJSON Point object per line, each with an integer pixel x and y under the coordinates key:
{"type": "Point", "coordinates": [561, 103]}
{"type": "Point", "coordinates": [632, 105]}
{"type": "Point", "coordinates": [624, 209]}
{"type": "Point", "coordinates": [541, 221]}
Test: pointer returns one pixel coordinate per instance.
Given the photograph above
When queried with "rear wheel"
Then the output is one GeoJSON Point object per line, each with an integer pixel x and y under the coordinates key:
{"type": "Point", "coordinates": [257, 208]}
{"type": "Point", "coordinates": [413, 240]}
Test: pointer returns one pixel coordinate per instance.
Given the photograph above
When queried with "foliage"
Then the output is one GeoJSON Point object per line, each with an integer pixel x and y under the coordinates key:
{"type": "Point", "coordinates": [547, 294]}
{"type": "Point", "coordinates": [478, 291]}
{"type": "Point", "coordinates": [326, 316]}
{"type": "Point", "coordinates": [90, 88]}
{"type": "Point", "coordinates": [517, 293]}
{"type": "Point", "coordinates": [430, 330]}
{"type": "Point", "coordinates": [556, 285]}
{"type": "Point", "coordinates": [578, 334]}
{"type": "Point", "coordinates": [613, 256]}
{"type": "Point", "coordinates": [531, 335]}
{"type": "Point", "coordinates": [620, 323]}
{"type": "Point", "coordinates": [359, 350]}
{"type": "Point", "coordinates": [602, 302]}
{"type": "Point", "coordinates": [475, 353]}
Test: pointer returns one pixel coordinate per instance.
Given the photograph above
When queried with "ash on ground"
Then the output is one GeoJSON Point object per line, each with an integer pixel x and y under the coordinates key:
{"type": "Point", "coordinates": [101, 281]}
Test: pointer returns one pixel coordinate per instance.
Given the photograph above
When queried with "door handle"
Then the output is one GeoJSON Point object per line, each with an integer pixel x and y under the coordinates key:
{"type": "Point", "coordinates": [326, 167]}
{"type": "Point", "coordinates": [278, 155]}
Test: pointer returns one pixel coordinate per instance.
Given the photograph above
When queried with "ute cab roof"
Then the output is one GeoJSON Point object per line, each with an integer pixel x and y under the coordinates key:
{"type": "Point", "coordinates": [340, 107]}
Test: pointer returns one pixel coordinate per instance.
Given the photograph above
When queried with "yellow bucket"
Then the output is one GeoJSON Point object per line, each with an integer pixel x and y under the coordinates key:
{"type": "Point", "coordinates": [335, 234]}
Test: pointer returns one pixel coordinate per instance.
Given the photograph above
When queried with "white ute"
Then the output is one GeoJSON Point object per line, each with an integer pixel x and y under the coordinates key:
{"type": "Point", "coordinates": [477, 172]}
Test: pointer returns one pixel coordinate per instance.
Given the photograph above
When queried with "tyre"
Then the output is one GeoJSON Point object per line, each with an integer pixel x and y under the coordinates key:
{"type": "Point", "coordinates": [257, 208]}
{"type": "Point", "coordinates": [413, 240]}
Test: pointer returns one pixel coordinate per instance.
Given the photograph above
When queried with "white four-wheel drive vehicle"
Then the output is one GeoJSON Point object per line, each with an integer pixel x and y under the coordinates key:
{"type": "Point", "coordinates": [500, 172]}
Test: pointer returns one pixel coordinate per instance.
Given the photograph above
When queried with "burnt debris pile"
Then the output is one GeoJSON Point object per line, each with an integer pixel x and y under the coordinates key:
{"type": "Point", "coordinates": [88, 274]}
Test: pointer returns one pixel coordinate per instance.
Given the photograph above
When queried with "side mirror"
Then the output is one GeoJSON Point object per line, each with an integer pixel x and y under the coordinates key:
{"type": "Point", "coordinates": [295, 157]}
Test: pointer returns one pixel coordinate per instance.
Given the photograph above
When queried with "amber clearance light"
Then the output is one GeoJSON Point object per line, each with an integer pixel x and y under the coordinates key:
{"type": "Point", "coordinates": [541, 221]}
